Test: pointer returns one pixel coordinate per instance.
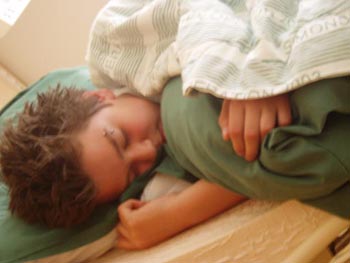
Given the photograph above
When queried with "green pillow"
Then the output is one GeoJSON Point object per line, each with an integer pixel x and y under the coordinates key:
{"type": "Point", "coordinates": [20, 241]}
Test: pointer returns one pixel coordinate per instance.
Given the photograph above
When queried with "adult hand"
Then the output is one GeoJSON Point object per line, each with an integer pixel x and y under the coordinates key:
{"type": "Point", "coordinates": [143, 225]}
{"type": "Point", "coordinates": [246, 122]}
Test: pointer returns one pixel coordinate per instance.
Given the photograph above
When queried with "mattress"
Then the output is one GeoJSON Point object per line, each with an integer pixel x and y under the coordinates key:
{"type": "Point", "coordinates": [254, 231]}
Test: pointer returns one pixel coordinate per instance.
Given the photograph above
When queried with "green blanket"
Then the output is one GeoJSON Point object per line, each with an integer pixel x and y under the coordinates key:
{"type": "Point", "coordinates": [308, 160]}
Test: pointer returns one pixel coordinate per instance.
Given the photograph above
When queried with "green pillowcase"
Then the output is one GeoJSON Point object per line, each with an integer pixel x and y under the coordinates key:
{"type": "Point", "coordinates": [22, 242]}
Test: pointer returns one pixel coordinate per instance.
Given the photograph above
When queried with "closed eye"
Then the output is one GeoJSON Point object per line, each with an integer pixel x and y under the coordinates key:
{"type": "Point", "coordinates": [125, 139]}
{"type": "Point", "coordinates": [108, 133]}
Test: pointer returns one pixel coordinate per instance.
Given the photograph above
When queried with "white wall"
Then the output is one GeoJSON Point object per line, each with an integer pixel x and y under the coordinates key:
{"type": "Point", "coordinates": [50, 34]}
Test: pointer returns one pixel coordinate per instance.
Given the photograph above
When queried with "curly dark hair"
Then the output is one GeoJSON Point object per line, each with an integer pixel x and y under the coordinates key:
{"type": "Point", "coordinates": [40, 160]}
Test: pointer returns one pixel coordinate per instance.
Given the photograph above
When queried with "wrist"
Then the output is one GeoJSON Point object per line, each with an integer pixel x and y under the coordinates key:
{"type": "Point", "coordinates": [173, 220]}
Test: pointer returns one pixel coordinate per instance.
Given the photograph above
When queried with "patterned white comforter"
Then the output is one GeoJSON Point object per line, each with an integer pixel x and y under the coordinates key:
{"type": "Point", "coordinates": [239, 49]}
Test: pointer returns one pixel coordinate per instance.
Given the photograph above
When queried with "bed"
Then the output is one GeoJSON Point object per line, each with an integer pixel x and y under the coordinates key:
{"type": "Point", "coordinates": [255, 231]}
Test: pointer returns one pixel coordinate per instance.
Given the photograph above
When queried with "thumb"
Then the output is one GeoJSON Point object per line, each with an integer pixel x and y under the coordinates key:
{"type": "Point", "coordinates": [223, 119]}
{"type": "Point", "coordinates": [131, 204]}
{"type": "Point", "coordinates": [128, 207]}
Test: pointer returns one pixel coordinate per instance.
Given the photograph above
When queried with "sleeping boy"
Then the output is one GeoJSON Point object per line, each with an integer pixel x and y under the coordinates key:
{"type": "Point", "coordinates": [302, 160]}
{"type": "Point", "coordinates": [70, 152]}
{"type": "Point", "coordinates": [251, 54]}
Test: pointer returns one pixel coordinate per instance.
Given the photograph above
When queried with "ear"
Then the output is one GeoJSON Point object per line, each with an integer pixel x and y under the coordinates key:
{"type": "Point", "coordinates": [101, 94]}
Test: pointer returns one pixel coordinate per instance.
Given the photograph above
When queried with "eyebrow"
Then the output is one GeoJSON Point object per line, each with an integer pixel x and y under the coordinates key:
{"type": "Point", "coordinates": [115, 145]}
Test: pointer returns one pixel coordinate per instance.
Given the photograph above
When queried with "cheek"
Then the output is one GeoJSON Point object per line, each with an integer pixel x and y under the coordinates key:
{"type": "Point", "coordinates": [108, 173]}
{"type": "Point", "coordinates": [110, 187]}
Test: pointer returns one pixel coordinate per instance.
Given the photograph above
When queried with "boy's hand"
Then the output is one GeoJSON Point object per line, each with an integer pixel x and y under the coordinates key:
{"type": "Point", "coordinates": [246, 122]}
{"type": "Point", "coordinates": [143, 225]}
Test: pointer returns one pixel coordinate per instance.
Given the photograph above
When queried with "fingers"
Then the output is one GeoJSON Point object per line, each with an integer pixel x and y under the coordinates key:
{"type": "Point", "coordinates": [247, 122]}
{"type": "Point", "coordinates": [127, 207]}
{"type": "Point", "coordinates": [284, 114]}
{"type": "Point", "coordinates": [252, 133]}
{"type": "Point", "coordinates": [240, 123]}
{"type": "Point", "coordinates": [223, 119]}
{"type": "Point", "coordinates": [123, 242]}
{"type": "Point", "coordinates": [267, 122]}
{"type": "Point", "coordinates": [231, 122]}
{"type": "Point", "coordinates": [124, 229]}
{"type": "Point", "coordinates": [236, 127]}
{"type": "Point", "coordinates": [121, 230]}
{"type": "Point", "coordinates": [123, 238]}
{"type": "Point", "coordinates": [132, 204]}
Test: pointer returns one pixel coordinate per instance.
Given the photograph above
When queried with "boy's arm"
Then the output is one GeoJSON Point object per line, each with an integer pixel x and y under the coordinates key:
{"type": "Point", "coordinates": [146, 224]}
{"type": "Point", "coordinates": [246, 122]}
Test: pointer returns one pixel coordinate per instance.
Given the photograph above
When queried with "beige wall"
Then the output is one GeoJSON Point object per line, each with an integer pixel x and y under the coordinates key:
{"type": "Point", "coordinates": [50, 34]}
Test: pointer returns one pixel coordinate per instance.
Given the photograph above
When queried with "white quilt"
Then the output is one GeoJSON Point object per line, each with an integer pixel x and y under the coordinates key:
{"type": "Point", "coordinates": [240, 49]}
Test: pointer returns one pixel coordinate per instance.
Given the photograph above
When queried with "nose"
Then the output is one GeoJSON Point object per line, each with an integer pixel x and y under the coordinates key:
{"type": "Point", "coordinates": [141, 156]}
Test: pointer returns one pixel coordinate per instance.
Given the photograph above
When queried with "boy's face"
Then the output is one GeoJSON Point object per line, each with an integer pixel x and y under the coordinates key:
{"type": "Point", "coordinates": [120, 143]}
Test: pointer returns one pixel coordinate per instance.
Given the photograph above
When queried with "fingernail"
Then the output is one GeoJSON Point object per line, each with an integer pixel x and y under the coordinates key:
{"type": "Point", "coordinates": [224, 134]}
